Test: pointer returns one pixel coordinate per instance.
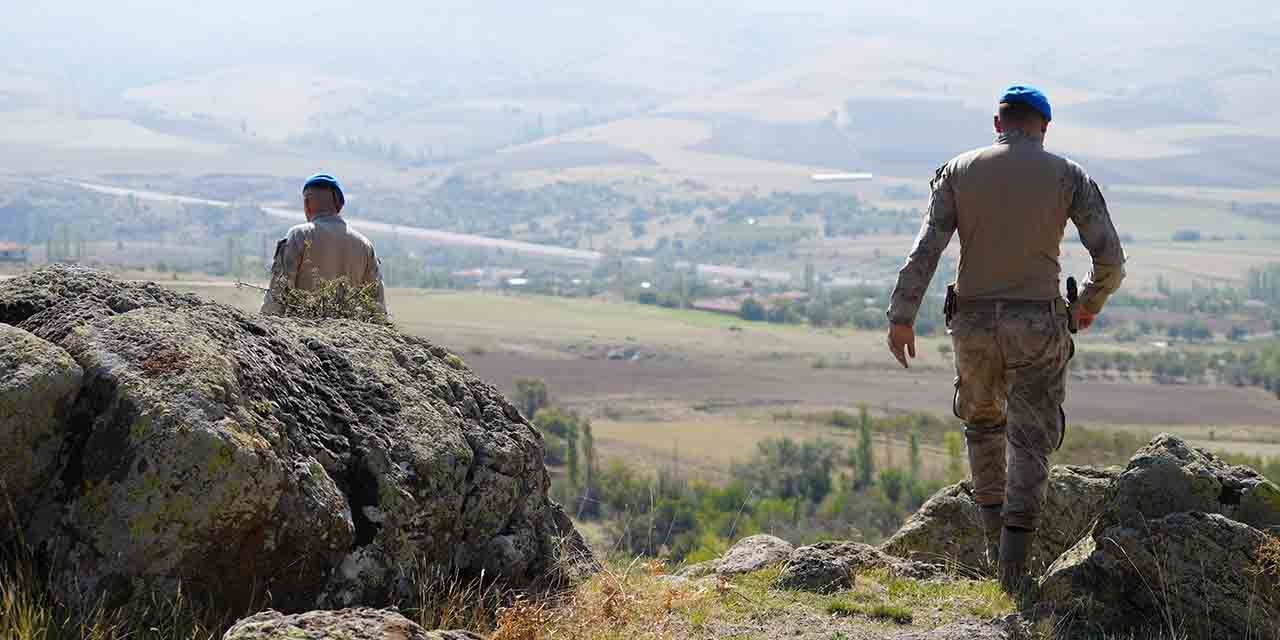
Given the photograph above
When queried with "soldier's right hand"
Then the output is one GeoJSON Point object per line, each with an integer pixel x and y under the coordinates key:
{"type": "Point", "coordinates": [902, 341]}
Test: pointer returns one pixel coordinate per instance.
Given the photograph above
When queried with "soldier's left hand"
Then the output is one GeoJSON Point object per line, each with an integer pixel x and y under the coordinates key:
{"type": "Point", "coordinates": [1084, 319]}
{"type": "Point", "coordinates": [902, 341]}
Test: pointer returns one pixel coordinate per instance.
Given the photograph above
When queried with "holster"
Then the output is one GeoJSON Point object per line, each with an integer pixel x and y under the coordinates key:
{"type": "Point", "coordinates": [949, 304]}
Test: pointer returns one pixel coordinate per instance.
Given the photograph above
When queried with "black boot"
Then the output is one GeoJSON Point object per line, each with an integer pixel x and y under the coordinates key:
{"type": "Point", "coordinates": [1015, 551]}
{"type": "Point", "coordinates": [992, 525]}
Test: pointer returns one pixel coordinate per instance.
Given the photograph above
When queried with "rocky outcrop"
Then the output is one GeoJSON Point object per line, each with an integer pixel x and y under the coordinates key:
{"type": "Point", "coordinates": [318, 461]}
{"type": "Point", "coordinates": [1189, 574]}
{"type": "Point", "coordinates": [347, 624]}
{"type": "Point", "coordinates": [753, 554]}
{"type": "Point", "coordinates": [38, 384]}
{"type": "Point", "coordinates": [947, 529]}
{"type": "Point", "coordinates": [1179, 547]}
{"type": "Point", "coordinates": [1170, 476]}
{"type": "Point", "coordinates": [831, 566]}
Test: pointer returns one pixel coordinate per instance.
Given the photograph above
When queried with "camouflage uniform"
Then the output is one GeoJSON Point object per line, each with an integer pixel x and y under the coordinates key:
{"type": "Point", "coordinates": [320, 250]}
{"type": "Point", "coordinates": [1010, 204]}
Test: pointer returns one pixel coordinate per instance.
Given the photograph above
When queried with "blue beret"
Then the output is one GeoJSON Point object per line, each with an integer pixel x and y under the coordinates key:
{"type": "Point", "coordinates": [1030, 96]}
{"type": "Point", "coordinates": [325, 180]}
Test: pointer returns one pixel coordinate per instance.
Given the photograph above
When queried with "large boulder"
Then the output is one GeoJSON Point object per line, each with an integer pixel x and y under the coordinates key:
{"type": "Point", "coordinates": [38, 384]}
{"type": "Point", "coordinates": [754, 553]}
{"type": "Point", "coordinates": [1170, 476]}
{"type": "Point", "coordinates": [947, 528]}
{"type": "Point", "coordinates": [322, 462]}
{"type": "Point", "coordinates": [347, 624]}
{"type": "Point", "coordinates": [826, 567]}
{"type": "Point", "coordinates": [1179, 546]}
{"type": "Point", "coordinates": [1187, 574]}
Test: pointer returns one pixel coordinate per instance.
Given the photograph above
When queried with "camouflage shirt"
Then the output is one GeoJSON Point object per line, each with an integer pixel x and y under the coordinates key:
{"type": "Point", "coordinates": [1010, 203]}
{"type": "Point", "coordinates": [322, 250]}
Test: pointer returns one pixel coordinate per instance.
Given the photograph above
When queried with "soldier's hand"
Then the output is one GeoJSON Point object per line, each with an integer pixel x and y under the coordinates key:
{"type": "Point", "coordinates": [1084, 319]}
{"type": "Point", "coordinates": [902, 341]}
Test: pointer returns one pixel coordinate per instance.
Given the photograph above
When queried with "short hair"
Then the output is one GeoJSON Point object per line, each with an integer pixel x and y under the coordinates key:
{"type": "Point", "coordinates": [321, 191]}
{"type": "Point", "coordinates": [1019, 113]}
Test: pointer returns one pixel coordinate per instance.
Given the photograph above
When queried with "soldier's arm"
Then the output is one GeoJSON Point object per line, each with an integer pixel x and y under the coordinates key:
{"type": "Point", "coordinates": [284, 273]}
{"type": "Point", "coordinates": [935, 234]}
{"type": "Point", "coordinates": [1098, 234]}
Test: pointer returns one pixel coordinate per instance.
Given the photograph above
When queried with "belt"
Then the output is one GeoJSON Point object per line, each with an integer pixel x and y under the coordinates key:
{"type": "Point", "coordinates": [998, 306]}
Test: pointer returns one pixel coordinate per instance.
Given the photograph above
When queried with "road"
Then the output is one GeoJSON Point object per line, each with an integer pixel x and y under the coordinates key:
{"type": "Point", "coordinates": [450, 238]}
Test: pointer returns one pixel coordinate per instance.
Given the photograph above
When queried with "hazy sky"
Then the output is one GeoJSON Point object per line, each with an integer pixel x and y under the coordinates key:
{"type": "Point", "coordinates": [114, 45]}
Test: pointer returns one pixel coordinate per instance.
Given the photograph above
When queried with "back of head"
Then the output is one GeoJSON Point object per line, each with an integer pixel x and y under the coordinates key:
{"type": "Point", "coordinates": [1019, 115]}
{"type": "Point", "coordinates": [322, 193]}
{"type": "Point", "coordinates": [1023, 107]}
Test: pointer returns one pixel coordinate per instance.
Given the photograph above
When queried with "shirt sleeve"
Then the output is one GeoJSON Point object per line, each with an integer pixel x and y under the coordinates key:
{"type": "Point", "coordinates": [935, 234]}
{"type": "Point", "coordinates": [284, 273]}
{"type": "Point", "coordinates": [1098, 234]}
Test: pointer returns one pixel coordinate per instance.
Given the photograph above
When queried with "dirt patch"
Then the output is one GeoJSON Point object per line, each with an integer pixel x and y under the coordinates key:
{"type": "Point", "coordinates": [729, 385]}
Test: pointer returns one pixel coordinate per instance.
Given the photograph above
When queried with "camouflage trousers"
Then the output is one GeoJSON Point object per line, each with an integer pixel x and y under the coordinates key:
{"type": "Point", "coordinates": [1011, 365]}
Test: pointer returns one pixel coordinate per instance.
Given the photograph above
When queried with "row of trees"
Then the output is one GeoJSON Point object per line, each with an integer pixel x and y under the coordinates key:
{"type": "Point", "coordinates": [1258, 367]}
{"type": "Point", "coordinates": [802, 490]}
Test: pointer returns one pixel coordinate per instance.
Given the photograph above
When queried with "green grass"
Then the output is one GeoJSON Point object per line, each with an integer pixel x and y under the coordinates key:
{"type": "Point", "coordinates": [874, 610]}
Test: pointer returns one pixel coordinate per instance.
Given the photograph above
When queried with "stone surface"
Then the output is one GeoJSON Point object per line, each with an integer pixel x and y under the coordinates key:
{"type": "Point", "coordinates": [38, 384]}
{"type": "Point", "coordinates": [753, 554]}
{"type": "Point", "coordinates": [1170, 476]}
{"type": "Point", "coordinates": [347, 624]}
{"type": "Point", "coordinates": [831, 566]}
{"type": "Point", "coordinates": [1200, 574]}
{"type": "Point", "coordinates": [947, 529]}
{"type": "Point", "coordinates": [319, 461]}
{"type": "Point", "coordinates": [1179, 545]}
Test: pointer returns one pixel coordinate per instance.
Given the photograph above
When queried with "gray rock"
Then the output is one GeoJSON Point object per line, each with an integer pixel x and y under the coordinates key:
{"type": "Point", "coordinates": [1170, 476]}
{"type": "Point", "coordinates": [1177, 547]}
{"type": "Point", "coordinates": [947, 529]}
{"type": "Point", "coordinates": [753, 554]}
{"type": "Point", "coordinates": [831, 566]}
{"type": "Point", "coordinates": [347, 624]}
{"type": "Point", "coordinates": [38, 386]}
{"type": "Point", "coordinates": [319, 461]}
{"type": "Point", "coordinates": [1200, 574]}
{"type": "Point", "coordinates": [698, 570]}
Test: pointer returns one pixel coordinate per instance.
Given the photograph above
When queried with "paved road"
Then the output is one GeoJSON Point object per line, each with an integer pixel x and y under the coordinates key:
{"type": "Point", "coordinates": [448, 237]}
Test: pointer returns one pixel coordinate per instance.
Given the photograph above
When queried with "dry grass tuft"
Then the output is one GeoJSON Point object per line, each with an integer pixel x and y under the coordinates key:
{"type": "Point", "coordinates": [336, 298]}
{"type": "Point", "coordinates": [1269, 557]}
{"type": "Point", "coordinates": [28, 611]}
{"type": "Point", "coordinates": [445, 600]}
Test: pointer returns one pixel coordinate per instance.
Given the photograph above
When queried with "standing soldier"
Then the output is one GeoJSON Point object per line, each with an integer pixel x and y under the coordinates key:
{"type": "Point", "coordinates": [1008, 323]}
{"type": "Point", "coordinates": [324, 248]}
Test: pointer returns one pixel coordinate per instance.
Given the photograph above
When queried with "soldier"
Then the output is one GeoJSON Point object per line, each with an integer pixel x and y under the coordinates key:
{"type": "Point", "coordinates": [1009, 326]}
{"type": "Point", "coordinates": [324, 248]}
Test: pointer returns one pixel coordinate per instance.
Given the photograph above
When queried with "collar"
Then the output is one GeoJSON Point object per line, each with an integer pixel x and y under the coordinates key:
{"type": "Point", "coordinates": [328, 216]}
{"type": "Point", "coordinates": [1020, 137]}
